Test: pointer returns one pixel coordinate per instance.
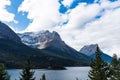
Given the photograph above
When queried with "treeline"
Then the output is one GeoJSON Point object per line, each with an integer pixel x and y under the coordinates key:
{"type": "Point", "coordinates": [26, 74]}
{"type": "Point", "coordinates": [101, 70]}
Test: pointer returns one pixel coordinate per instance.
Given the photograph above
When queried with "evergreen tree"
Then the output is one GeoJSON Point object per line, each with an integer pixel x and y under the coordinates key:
{"type": "Point", "coordinates": [27, 74]}
{"type": "Point", "coordinates": [3, 73]}
{"type": "Point", "coordinates": [115, 68]}
{"type": "Point", "coordinates": [43, 77]}
{"type": "Point", "coordinates": [99, 68]}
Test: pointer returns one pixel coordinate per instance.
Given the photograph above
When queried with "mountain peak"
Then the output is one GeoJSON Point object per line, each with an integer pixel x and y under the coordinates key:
{"type": "Point", "coordinates": [89, 49]}
{"type": "Point", "coordinates": [56, 35]}
{"type": "Point", "coordinates": [7, 33]}
{"type": "Point", "coordinates": [52, 43]}
{"type": "Point", "coordinates": [40, 39]}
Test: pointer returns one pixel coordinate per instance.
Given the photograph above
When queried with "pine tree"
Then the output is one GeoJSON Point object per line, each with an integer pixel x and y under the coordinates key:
{"type": "Point", "coordinates": [43, 77]}
{"type": "Point", "coordinates": [99, 68]}
{"type": "Point", "coordinates": [115, 68]}
{"type": "Point", "coordinates": [3, 73]}
{"type": "Point", "coordinates": [27, 74]}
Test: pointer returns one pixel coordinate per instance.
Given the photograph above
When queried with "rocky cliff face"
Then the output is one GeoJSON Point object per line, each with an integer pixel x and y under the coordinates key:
{"type": "Point", "coordinates": [52, 42]}
{"type": "Point", "coordinates": [90, 50]}
{"type": "Point", "coordinates": [13, 52]}
{"type": "Point", "coordinates": [7, 33]}
{"type": "Point", "coordinates": [42, 39]}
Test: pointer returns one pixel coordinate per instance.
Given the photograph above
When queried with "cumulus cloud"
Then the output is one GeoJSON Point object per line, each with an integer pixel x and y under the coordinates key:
{"type": "Point", "coordinates": [67, 3]}
{"type": "Point", "coordinates": [105, 31]}
{"type": "Point", "coordinates": [81, 15]}
{"type": "Point", "coordinates": [44, 13]}
{"type": "Point", "coordinates": [79, 26]}
{"type": "Point", "coordinates": [4, 14]}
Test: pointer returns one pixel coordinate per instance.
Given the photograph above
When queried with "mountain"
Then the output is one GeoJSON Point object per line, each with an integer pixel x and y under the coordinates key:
{"type": "Point", "coordinates": [6, 32]}
{"type": "Point", "coordinates": [13, 53]}
{"type": "Point", "coordinates": [40, 39]}
{"type": "Point", "coordinates": [52, 43]}
{"type": "Point", "coordinates": [90, 50]}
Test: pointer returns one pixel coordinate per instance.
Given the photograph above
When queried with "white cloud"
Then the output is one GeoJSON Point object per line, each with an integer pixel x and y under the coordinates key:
{"type": "Point", "coordinates": [106, 4]}
{"type": "Point", "coordinates": [4, 14]}
{"type": "Point", "coordinates": [44, 13]}
{"type": "Point", "coordinates": [82, 27]}
{"type": "Point", "coordinates": [67, 3]}
{"type": "Point", "coordinates": [82, 14]}
{"type": "Point", "coordinates": [105, 31]}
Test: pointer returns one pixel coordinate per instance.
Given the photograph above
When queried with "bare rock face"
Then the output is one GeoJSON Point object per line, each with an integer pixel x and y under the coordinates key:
{"type": "Point", "coordinates": [41, 39]}
{"type": "Point", "coordinates": [89, 49]}
{"type": "Point", "coordinates": [52, 42]}
{"type": "Point", "coordinates": [7, 33]}
{"type": "Point", "coordinates": [46, 39]}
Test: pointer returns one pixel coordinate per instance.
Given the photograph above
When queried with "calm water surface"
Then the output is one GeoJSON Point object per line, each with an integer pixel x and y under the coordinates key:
{"type": "Point", "coordinates": [70, 74]}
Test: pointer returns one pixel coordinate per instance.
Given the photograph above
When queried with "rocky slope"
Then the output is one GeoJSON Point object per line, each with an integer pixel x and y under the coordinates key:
{"type": "Point", "coordinates": [51, 42]}
{"type": "Point", "coordinates": [6, 32]}
{"type": "Point", "coordinates": [90, 50]}
{"type": "Point", "coordinates": [41, 39]}
{"type": "Point", "coordinates": [13, 53]}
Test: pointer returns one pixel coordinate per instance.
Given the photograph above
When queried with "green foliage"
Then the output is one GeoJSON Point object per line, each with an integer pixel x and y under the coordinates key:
{"type": "Point", "coordinates": [99, 68]}
{"type": "Point", "coordinates": [27, 74]}
{"type": "Point", "coordinates": [43, 77]}
{"type": "Point", "coordinates": [115, 68]}
{"type": "Point", "coordinates": [3, 73]}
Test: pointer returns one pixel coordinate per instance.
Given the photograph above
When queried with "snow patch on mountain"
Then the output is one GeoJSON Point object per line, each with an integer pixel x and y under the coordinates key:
{"type": "Point", "coordinates": [40, 39]}
{"type": "Point", "coordinates": [89, 49]}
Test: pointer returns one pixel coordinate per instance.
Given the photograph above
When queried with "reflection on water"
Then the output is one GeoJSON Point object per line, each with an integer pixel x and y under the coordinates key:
{"type": "Point", "coordinates": [70, 74]}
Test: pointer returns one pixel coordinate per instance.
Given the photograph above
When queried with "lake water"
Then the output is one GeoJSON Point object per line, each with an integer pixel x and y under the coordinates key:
{"type": "Point", "coordinates": [70, 74]}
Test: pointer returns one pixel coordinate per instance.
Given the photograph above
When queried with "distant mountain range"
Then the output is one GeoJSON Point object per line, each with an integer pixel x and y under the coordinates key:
{"type": "Point", "coordinates": [44, 48]}
{"type": "Point", "coordinates": [13, 52]}
{"type": "Point", "coordinates": [51, 42]}
{"type": "Point", "coordinates": [90, 50]}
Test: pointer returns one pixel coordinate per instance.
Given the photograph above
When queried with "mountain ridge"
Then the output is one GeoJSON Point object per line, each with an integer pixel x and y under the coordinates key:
{"type": "Point", "coordinates": [90, 50]}
{"type": "Point", "coordinates": [13, 53]}
{"type": "Point", "coordinates": [6, 32]}
{"type": "Point", "coordinates": [52, 42]}
{"type": "Point", "coordinates": [39, 39]}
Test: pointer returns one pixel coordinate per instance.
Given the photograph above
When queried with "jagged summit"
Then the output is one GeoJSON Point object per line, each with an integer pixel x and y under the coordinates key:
{"type": "Point", "coordinates": [40, 39]}
{"type": "Point", "coordinates": [55, 51]}
{"type": "Point", "coordinates": [51, 42]}
{"type": "Point", "coordinates": [7, 33]}
{"type": "Point", "coordinates": [89, 49]}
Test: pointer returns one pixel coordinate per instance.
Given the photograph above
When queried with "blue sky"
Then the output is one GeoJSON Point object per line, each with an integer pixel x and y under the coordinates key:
{"type": "Point", "coordinates": [22, 19]}
{"type": "Point", "coordinates": [79, 22]}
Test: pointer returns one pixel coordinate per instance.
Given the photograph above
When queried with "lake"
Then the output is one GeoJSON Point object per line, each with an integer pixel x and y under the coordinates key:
{"type": "Point", "coordinates": [70, 74]}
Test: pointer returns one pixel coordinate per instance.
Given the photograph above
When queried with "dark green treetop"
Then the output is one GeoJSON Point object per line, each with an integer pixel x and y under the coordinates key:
{"type": "Point", "coordinates": [27, 74]}
{"type": "Point", "coordinates": [3, 73]}
{"type": "Point", "coordinates": [43, 77]}
{"type": "Point", "coordinates": [115, 68]}
{"type": "Point", "coordinates": [99, 68]}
